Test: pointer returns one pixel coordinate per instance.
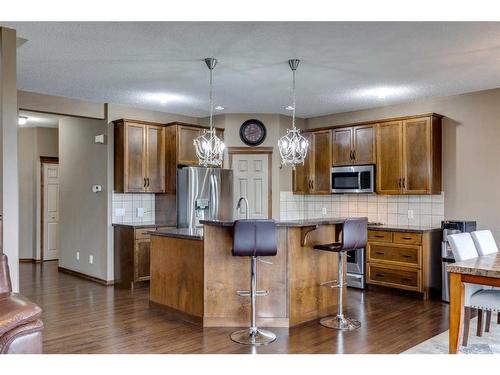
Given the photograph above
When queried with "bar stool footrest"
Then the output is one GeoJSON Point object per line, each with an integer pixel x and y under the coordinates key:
{"type": "Point", "coordinates": [258, 293]}
{"type": "Point", "coordinates": [331, 284]}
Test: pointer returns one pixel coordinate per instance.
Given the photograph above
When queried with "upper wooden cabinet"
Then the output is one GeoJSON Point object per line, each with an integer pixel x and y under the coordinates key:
{"type": "Point", "coordinates": [314, 176]}
{"type": "Point", "coordinates": [139, 157]}
{"type": "Point", "coordinates": [186, 153]}
{"type": "Point", "coordinates": [353, 145]}
{"type": "Point", "coordinates": [180, 149]}
{"type": "Point", "coordinates": [409, 156]}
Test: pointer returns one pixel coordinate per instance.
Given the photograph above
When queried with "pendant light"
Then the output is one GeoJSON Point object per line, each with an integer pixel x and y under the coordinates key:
{"type": "Point", "coordinates": [293, 146]}
{"type": "Point", "coordinates": [209, 148]}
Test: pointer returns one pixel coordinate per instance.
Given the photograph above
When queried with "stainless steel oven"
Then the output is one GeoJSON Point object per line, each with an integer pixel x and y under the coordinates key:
{"type": "Point", "coordinates": [353, 179]}
{"type": "Point", "coordinates": [356, 269]}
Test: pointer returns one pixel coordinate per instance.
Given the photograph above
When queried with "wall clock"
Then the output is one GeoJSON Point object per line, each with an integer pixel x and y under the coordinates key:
{"type": "Point", "coordinates": [252, 132]}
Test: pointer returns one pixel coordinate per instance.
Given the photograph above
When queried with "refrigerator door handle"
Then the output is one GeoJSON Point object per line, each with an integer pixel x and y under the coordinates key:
{"type": "Point", "coordinates": [216, 197]}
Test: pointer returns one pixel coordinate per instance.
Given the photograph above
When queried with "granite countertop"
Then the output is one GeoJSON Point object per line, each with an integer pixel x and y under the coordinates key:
{"type": "Point", "coordinates": [329, 221]}
{"type": "Point", "coordinates": [488, 266]}
{"type": "Point", "coordinates": [187, 233]}
{"type": "Point", "coordinates": [403, 228]}
{"type": "Point", "coordinates": [149, 224]}
{"type": "Point", "coordinates": [283, 223]}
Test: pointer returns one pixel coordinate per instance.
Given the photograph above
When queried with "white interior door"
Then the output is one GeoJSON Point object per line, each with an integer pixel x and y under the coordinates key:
{"type": "Point", "coordinates": [251, 180]}
{"type": "Point", "coordinates": [50, 211]}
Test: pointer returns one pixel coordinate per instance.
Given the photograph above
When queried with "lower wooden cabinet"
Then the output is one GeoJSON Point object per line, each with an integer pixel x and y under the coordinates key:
{"type": "Point", "coordinates": [404, 260]}
{"type": "Point", "coordinates": [132, 250]}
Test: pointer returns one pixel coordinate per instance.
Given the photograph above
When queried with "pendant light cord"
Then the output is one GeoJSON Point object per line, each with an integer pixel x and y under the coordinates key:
{"type": "Point", "coordinates": [293, 100]}
{"type": "Point", "coordinates": [211, 100]}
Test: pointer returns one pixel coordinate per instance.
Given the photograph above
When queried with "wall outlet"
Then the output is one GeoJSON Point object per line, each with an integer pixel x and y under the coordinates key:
{"type": "Point", "coordinates": [410, 214]}
{"type": "Point", "coordinates": [119, 212]}
{"type": "Point", "coordinates": [140, 212]}
{"type": "Point", "coordinates": [91, 259]}
{"type": "Point", "coordinates": [77, 255]}
{"type": "Point", "coordinates": [323, 210]}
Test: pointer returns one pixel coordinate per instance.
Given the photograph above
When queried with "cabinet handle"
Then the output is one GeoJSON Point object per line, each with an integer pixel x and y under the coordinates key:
{"type": "Point", "coordinates": [399, 182]}
{"type": "Point", "coordinates": [353, 154]}
{"type": "Point", "coordinates": [404, 182]}
{"type": "Point", "coordinates": [148, 181]}
{"type": "Point", "coordinates": [144, 181]}
{"type": "Point", "coordinates": [406, 256]}
{"type": "Point", "coordinates": [379, 252]}
{"type": "Point", "coordinates": [405, 279]}
{"type": "Point", "coordinates": [406, 238]}
{"type": "Point", "coordinates": [379, 236]}
{"type": "Point", "coordinates": [379, 275]}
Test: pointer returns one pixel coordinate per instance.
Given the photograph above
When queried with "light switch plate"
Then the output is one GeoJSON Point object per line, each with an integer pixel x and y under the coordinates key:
{"type": "Point", "coordinates": [119, 212]}
{"type": "Point", "coordinates": [140, 212]}
{"type": "Point", "coordinates": [91, 259]}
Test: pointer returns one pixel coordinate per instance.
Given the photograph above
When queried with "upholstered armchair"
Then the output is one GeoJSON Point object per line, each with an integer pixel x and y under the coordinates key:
{"type": "Point", "coordinates": [20, 324]}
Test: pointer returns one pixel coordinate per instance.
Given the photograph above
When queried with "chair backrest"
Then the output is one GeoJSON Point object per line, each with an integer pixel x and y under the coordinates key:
{"type": "Point", "coordinates": [5, 285]}
{"type": "Point", "coordinates": [462, 246]}
{"type": "Point", "coordinates": [485, 242]}
{"type": "Point", "coordinates": [355, 233]}
{"type": "Point", "coordinates": [255, 238]}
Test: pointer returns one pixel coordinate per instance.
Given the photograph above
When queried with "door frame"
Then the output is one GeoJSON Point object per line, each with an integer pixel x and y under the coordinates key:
{"type": "Point", "coordinates": [44, 160]}
{"type": "Point", "coordinates": [253, 151]}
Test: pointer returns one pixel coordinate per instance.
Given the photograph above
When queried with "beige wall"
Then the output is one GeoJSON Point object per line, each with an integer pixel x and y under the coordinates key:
{"type": "Point", "coordinates": [276, 126]}
{"type": "Point", "coordinates": [9, 173]}
{"type": "Point", "coordinates": [471, 131]}
{"type": "Point", "coordinates": [33, 101]}
{"type": "Point", "coordinates": [83, 214]}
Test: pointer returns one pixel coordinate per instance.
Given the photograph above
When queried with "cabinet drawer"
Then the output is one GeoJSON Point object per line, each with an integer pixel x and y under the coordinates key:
{"type": "Point", "coordinates": [404, 255]}
{"type": "Point", "coordinates": [399, 278]}
{"type": "Point", "coordinates": [380, 236]}
{"type": "Point", "coordinates": [141, 234]}
{"type": "Point", "coordinates": [408, 238]}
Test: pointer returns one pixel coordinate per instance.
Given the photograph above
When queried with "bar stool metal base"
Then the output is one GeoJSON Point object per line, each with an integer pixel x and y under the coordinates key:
{"type": "Point", "coordinates": [342, 324]}
{"type": "Point", "coordinates": [249, 337]}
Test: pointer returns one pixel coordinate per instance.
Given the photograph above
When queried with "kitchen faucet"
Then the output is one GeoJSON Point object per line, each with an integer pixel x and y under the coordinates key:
{"type": "Point", "coordinates": [238, 206]}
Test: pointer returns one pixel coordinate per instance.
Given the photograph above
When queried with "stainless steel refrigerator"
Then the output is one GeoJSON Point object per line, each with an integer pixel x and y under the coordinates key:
{"type": "Point", "coordinates": [203, 194]}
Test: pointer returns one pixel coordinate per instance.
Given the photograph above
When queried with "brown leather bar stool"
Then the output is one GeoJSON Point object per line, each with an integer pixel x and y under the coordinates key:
{"type": "Point", "coordinates": [254, 238]}
{"type": "Point", "coordinates": [354, 237]}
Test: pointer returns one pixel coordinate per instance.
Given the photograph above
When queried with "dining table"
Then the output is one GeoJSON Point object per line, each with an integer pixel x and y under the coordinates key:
{"type": "Point", "coordinates": [482, 270]}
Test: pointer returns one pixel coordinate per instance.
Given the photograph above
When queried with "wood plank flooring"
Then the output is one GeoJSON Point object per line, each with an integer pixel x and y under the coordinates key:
{"type": "Point", "coordinates": [81, 316]}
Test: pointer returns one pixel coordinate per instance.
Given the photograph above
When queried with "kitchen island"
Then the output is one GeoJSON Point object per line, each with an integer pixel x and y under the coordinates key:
{"type": "Point", "coordinates": [195, 277]}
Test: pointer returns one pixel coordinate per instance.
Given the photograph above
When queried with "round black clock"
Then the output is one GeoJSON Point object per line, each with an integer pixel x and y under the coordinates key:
{"type": "Point", "coordinates": [252, 132]}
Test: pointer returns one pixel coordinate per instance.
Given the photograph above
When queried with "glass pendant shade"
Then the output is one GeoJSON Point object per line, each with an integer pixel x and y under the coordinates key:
{"type": "Point", "coordinates": [209, 147]}
{"type": "Point", "coordinates": [293, 146]}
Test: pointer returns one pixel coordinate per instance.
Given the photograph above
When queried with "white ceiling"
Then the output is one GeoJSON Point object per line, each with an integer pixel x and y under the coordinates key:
{"type": "Point", "coordinates": [343, 64]}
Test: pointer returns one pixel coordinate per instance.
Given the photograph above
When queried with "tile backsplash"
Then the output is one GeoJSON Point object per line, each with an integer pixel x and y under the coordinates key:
{"type": "Point", "coordinates": [130, 203]}
{"type": "Point", "coordinates": [428, 210]}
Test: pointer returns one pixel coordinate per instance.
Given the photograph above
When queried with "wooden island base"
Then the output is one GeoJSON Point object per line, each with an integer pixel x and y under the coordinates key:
{"type": "Point", "coordinates": [198, 278]}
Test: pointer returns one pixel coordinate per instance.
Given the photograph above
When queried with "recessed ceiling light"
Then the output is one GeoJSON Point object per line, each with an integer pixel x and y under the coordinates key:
{"type": "Point", "coordinates": [289, 107]}
{"type": "Point", "coordinates": [22, 120]}
{"type": "Point", "coordinates": [219, 108]}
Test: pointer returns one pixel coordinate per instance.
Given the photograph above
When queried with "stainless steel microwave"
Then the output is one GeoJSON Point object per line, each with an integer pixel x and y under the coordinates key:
{"type": "Point", "coordinates": [353, 179]}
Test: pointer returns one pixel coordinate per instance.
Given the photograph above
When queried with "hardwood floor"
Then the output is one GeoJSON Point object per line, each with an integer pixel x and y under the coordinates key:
{"type": "Point", "coordinates": [81, 316]}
